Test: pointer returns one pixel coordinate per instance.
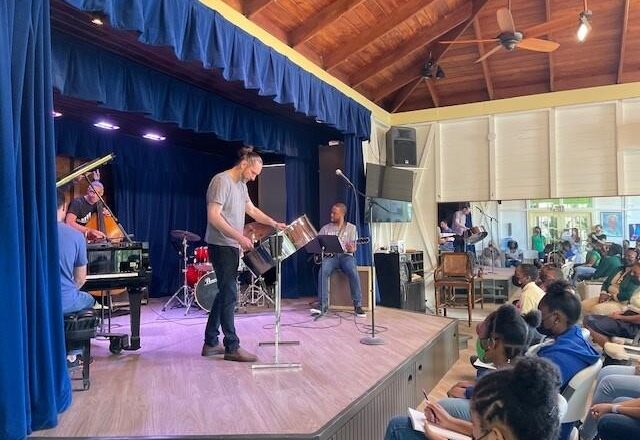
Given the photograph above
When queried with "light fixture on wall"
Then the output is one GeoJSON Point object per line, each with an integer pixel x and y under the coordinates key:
{"type": "Point", "coordinates": [55, 114]}
{"type": "Point", "coordinates": [584, 23]}
{"type": "Point", "coordinates": [106, 125]}
{"type": "Point", "coordinates": [154, 137]}
{"type": "Point", "coordinates": [97, 19]}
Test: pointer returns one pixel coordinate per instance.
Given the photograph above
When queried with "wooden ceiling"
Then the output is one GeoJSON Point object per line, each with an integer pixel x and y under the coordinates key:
{"type": "Point", "coordinates": [380, 46]}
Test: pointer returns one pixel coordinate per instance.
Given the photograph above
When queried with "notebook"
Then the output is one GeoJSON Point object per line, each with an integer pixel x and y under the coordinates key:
{"type": "Point", "coordinates": [418, 418]}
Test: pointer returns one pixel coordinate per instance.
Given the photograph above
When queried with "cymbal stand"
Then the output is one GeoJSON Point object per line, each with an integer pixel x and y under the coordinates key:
{"type": "Point", "coordinates": [278, 310]}
{"type": "Point", "coordinates": [256, 292]}
{"type": "Point", "coordinates": [184, 294]}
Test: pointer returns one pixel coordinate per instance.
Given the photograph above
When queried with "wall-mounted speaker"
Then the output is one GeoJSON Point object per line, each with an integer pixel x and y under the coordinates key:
{"type": "Point", "coordinates": [401, 147]}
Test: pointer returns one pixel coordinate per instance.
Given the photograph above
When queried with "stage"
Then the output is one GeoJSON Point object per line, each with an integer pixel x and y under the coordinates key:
{"type": "Point", "coordinates": [344, 390]}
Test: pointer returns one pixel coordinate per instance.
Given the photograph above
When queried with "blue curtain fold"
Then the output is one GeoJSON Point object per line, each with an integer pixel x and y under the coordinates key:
{"type": "Point", "coordinates": [33, 378]}
{"type": "Point", "coordinates": [198, 33]}
{"type": "Point", "coordinates": [354, 170]}
{"type": "Point", "coordinates": [88, 72]}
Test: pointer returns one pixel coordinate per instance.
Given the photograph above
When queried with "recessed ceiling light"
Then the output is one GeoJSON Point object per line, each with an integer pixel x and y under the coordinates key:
{"type": "Point", "coordinates": [153, 137]}
{"type": "Point", "coordinates": [97, 20]}
{"type": "Point", "coordinates": [56, 114]}
{"type": "Point", "coordinates": [106, 125]}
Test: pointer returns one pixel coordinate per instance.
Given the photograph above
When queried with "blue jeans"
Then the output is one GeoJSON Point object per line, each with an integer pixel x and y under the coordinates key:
{"type": "Point", "coordinates": [456, 407]}
{"type": "Point", "coordinates": [347, 264]}
{"type": "Point", "coordinates": [618, 426]}
{"type": "Point", "coordinates": [583, 273]}
{"type": "Point", "coordinates": [225, 261]}
{"type": "Point", "coordinates": [83, 301]}
{"type": "Point", "coordinates": [613, 381]}
{"type": "Point", "coordinates": [400, 428]}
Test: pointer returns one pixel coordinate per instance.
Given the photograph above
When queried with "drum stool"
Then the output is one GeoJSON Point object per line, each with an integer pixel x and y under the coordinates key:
{"type": "Point", "coordinates": [79, 328]}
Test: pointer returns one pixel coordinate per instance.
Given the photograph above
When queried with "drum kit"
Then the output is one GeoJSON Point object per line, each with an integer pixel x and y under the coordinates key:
{"type": "Point", "coordinates": [200, 285]}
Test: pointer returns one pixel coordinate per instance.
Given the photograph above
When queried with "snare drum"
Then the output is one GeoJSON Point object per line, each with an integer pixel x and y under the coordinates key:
{"type": "Point", "coordinates": [206, 290]}
{"type": "Point", "coordinates": [201, 254]}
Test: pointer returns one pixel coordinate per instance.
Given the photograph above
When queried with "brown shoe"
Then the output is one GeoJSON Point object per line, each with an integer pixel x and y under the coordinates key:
{"type": "Point", "coordinates": [240, 355]}
{"type": "Point", "coordinates": [212, 350]}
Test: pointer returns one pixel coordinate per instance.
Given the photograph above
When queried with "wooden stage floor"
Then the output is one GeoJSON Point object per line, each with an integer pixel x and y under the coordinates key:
{"type": "Point", "coordinates": [167, 389]}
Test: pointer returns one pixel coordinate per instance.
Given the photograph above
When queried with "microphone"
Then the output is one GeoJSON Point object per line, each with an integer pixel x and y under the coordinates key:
{"type": "Point", "coordinates": [341, 174]}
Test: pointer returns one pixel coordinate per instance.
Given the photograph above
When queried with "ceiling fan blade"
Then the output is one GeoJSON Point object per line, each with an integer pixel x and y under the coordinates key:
{"type": "Point", "coordinates": [505, 20]}
{"type": "Point", "coordinates": [488, 54]}
{"type": "Point", "coordinates": [557, 24]}
{"type": "Point", "coordinates": [489, 40]}
{"type": "Point", "coordinates": [538, 45]}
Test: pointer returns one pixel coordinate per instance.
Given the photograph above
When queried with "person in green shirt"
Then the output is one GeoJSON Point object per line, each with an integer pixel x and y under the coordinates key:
{"type": "Point", "coordinates": [585, 271]}
{"type": "Point", "coordinates": [617, 289]}
{"type": "Point", "coordinates": [538, 242]}
{"type": "Point", "coordinates": [610, 264]}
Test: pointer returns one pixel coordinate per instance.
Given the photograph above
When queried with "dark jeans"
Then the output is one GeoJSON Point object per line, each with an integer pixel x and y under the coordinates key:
{"type": "Point", "coordinates": [225, 261]}
{"type": "Point", "coordinates": [346, 263]}
{"type": "Point", "coordinates": [618, 426]}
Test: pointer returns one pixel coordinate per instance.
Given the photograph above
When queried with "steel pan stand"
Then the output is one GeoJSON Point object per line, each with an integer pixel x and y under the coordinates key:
{"type": "Point", "coordinates": [278, 310]}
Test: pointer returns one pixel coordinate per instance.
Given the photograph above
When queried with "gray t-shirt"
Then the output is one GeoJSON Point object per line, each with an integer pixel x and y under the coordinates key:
{"type": "Point", "coordinates": [233, 196]}
{"type": "Point", "coordinates": [345, 235]}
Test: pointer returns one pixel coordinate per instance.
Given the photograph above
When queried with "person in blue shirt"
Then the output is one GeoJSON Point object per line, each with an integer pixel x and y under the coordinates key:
{"type": "Point", "coordinates": [72, 249]}
{"type": "Point", "coordinates": [565, 345]}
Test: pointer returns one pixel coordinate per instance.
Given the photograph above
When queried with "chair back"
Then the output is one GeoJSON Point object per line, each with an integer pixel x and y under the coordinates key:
{"type": "Point", "coordinates": [577, 392]}
{"type": "Point", "coordinates": [456, 264]}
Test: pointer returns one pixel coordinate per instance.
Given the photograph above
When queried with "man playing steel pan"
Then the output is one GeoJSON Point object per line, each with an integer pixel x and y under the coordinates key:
{"type": "Point", "coordinates": [227, 202]}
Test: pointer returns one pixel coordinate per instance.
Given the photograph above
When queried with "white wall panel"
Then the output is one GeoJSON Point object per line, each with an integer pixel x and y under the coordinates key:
{"type": "Point", "coordinates": [631, 171]}
{"type": "Point", "coordinates": [464, 160]}
{"type": "Point", "coordinates": [629, 145]}
{"type": "Point", "coordinates": [522, 156]}
{"type": "Point", "coordinates": [586, 150]}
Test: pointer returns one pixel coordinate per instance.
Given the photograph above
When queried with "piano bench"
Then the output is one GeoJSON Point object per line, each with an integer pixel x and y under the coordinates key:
{"type": "Point", "coordinates": [79, 328]}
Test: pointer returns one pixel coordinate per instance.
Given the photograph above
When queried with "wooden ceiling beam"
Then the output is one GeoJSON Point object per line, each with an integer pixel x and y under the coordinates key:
{"type": "Point", "coordinates": [252, 7]}
{"type": "Point", "coordinates": [623, 39]}
{"type": "Point", "coordinates": [552, 86]}
{"type": "Point", "coordinates": [485, 63]}
{"type": "Point", "coordinates": [403, 94]}
{"type": "Point", "coordinates": [432, 91]}
{"type": "Point", "coordinates": [439, 50]}
{"type": "Point", "coordinates": [419, 41]}
{"type": "Point", "coordinates": [316, 23]}
{"type": "Point", "coordinates": [362, 40]}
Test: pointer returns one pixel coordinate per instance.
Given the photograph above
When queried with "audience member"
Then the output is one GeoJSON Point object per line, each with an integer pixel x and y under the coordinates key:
{"type": "Point", "coordinates": [610, 264]}
{"type": "Point", "coordinates": [617, 289]}
{"type": "Point", "coordinates": [519, 403]}
{"type": "Point", "coordinates": [513, 255]}
{"type": "Point", "coordinates": [525, 277]}
{"type": "Point", "coordinates": [585, 271]}
{"type": "Point", "coordinates": [508, 337]}
{"type": "Point", "coordinates": [613, 382]}
{"type": "Point", "coordinates": [491, 256]}
{"type": "Point", "coordinates": [619, 420]}
{"type": "Point", "coordinates": [538, 242]}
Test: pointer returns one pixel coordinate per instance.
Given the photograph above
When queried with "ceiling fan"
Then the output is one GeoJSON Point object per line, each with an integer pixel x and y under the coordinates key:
{"type": "Point", "coordinates": [509, 38]}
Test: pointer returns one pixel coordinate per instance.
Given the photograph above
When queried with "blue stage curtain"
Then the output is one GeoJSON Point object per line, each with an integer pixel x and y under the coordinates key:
{"type": "Point", "coordinates": [196, 32]}
{"type": "Point", "coordinates": [33, 377]}
{"type": "Point", "coordinates": [299, 278]}
{"type": "Point", "coordinates": [355, 172]}
{"type": "Point", "coordinates": [150, 200]}
{"type": "Point", "coordinates": [88, 72]}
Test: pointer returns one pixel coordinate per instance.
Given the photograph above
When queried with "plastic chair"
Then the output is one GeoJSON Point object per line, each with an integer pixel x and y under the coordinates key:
{"type": "Point", "coordinates": [578, 391]}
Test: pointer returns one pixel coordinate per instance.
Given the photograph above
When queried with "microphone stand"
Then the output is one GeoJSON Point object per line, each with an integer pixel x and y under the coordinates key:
{"type": "Point", "coordinates": [372, 339]}
{"type": "Point", "coordinates": [491, 220]}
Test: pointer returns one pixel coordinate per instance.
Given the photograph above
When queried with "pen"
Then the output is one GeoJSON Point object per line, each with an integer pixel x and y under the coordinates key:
{"type": "Point", "coordinates": [433, 413]}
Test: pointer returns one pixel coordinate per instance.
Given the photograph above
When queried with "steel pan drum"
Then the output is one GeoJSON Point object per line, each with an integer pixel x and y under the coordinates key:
{"type": "Point", "coordinates": [474, 234]}
{"type": "Point", "coordinates": [300, 232]}
{"type": "Point", "coordinates": [262, 258]}
{"type": "Point", "coordinates": [206, 290]}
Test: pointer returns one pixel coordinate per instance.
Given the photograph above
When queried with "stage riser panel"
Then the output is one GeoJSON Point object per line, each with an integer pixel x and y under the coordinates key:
{"type": "Point", "coordinates": [368, 418]}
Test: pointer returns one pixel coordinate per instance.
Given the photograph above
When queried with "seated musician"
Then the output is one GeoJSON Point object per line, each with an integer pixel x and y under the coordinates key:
{"type": "Point", "coordinates": [459, 225]}
{"type": "Point", "coordinates": [80, 211]}
{"type": "Point", "coordinates": [445, 241]}
{"type": "Point", "coordinates": [73, 264]}
{"type": "Point", "coordinates": [347, 234]}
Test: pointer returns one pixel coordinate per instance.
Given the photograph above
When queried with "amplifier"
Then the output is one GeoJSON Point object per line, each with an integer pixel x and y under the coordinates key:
{"type": "Point", "coordinates": [340, 291]}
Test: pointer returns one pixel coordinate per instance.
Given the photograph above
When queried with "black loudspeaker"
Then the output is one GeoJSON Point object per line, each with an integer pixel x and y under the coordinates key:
{"type": "Point", "coordinates": [401, 147]}
{"type": "Point", "coordinates": [394, 276]}
{"type": "Point", "coordinates": [330, 187]}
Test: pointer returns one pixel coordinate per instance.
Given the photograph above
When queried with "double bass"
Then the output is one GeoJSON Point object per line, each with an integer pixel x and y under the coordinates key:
{"type": "Point", "coordinates": [105, 224]}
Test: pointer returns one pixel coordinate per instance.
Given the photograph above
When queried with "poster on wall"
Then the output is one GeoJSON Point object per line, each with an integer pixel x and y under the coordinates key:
{"type": "Point", "coordinates": [611, 222]}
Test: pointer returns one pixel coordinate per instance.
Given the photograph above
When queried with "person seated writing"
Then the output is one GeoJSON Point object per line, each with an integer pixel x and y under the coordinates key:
{"type": "Point", "coordinates": [617, 289]}
{"type": "Point", "coordinates": [519, 403]}
{"type": "Point", "coordinates": [72, 249]}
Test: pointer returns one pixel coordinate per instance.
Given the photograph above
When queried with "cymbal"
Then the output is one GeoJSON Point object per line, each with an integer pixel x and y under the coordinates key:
{"type": "Point", "coordinates": [179, 234]}
{"type": "Point", "coordinates": [257, 231]}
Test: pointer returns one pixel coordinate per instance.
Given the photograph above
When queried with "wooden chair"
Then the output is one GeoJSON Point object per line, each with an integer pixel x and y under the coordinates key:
{"type": "Point", "coordinates": [455, 271]}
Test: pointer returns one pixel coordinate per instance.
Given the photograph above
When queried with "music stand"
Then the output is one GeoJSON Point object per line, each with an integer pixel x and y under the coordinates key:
{"type": "Point", "coordinates": [324, 245]}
